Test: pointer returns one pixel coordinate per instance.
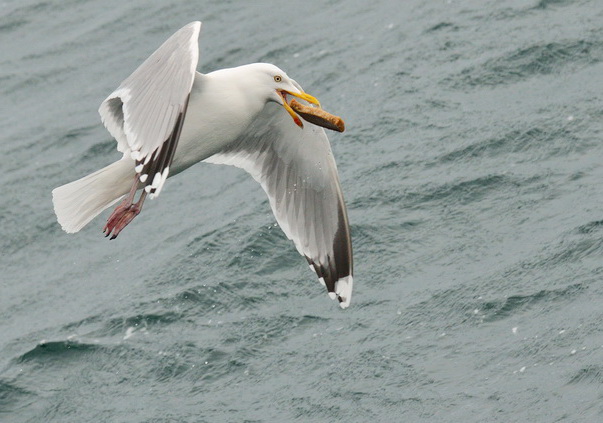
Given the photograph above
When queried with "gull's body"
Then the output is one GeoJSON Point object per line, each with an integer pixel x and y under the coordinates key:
{"type": "Point", "coordinates": [214, 120]}
{"type": "Point", "coordinates": [167, 116]}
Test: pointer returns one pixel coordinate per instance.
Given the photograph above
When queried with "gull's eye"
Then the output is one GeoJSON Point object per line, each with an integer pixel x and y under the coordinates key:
{"type": "Point", "coordinates": [278, 78]}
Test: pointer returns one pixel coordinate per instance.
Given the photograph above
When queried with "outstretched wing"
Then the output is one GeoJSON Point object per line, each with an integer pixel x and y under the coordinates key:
{"type": "Point", "coordinates": [145, 114]}
{"type": "Point", "coordinates": [297, 170]}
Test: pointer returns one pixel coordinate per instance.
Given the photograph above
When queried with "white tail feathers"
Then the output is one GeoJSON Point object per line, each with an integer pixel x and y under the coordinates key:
{"type": "Point", "coordinates": [78, 202]}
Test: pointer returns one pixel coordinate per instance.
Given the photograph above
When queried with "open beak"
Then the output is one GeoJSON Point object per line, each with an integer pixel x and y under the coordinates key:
{"type": "Point", "coordinates": [307, 97]}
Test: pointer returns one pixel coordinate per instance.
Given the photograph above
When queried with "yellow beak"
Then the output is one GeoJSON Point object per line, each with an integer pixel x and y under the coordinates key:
{"type": "Point", "coordinates": [307, 97]}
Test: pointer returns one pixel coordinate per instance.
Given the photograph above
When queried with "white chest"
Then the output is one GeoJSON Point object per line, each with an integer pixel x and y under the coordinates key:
{"type": "Point", "coordinates": [217, 114]}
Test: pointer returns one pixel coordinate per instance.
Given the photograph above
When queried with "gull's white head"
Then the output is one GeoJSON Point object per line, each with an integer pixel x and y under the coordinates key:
{"type": "Point", "coordinates": [273, 84]}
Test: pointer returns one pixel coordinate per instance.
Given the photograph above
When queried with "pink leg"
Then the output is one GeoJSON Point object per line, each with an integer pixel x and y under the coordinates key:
{"type": "Point", "coordinates": [124, 213]}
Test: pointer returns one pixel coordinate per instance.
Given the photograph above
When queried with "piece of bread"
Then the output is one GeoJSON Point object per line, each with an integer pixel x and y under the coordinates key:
{"type": "Point", "coordinates": [318, 116]}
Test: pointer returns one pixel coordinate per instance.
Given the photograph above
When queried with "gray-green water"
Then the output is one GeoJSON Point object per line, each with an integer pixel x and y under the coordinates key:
{"type": "Point", "coordinates": [472, 170]}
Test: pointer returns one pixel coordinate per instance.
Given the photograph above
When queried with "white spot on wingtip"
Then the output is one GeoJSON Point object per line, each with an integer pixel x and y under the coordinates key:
{"type": "Point", "coordinates": [343, 288]}
{"type": "Point", "coordinates": [156, 180]}
{"type": "Point", "coordinates": [322, 281]}
{"type": "Point", "coordinates": [148, 188]}
{"type": "Point", "coordinates": [139, 168]}
{"type": "Point", "coordinates": [144, 177]}
{"type": "Point", "coordinates": [164, 176]}
{"type": "Point", "coordinates": [332, 295]}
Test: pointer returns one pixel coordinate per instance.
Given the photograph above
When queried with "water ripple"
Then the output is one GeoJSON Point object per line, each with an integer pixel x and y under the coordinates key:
{"type": "Point", "coordinates": [458, 192]}
{"type": "Point", "coordinates": [589, 374]}
{"type": "Point", "coordinates": [516, 304]}
{"type": "Point", "coordinates": [53, 351]}
{"type": "Point", "coordinates": [538, 59]}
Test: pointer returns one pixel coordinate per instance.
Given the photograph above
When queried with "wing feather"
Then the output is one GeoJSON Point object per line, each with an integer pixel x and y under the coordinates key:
{"type": "Point", "coordinates": [146, 112]}
{"type": "Point", "coordinates": [297, 170]}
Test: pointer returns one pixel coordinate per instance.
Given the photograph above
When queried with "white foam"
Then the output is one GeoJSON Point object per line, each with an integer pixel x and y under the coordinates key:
{"type": "Point", "coordinates": [129, 332]}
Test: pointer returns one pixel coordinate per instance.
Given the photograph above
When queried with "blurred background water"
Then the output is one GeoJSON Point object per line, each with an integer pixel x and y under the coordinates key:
{"type": "Point", "coordinates": [471, 166]}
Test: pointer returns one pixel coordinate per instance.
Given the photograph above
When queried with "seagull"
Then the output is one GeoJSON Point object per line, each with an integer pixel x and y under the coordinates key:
{"type": "Point", "coordinates": [166, 117]}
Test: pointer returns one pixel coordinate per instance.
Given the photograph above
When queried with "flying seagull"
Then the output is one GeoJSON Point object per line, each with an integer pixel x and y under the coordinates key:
{"type": "Point", "coordinates": [166, 117]}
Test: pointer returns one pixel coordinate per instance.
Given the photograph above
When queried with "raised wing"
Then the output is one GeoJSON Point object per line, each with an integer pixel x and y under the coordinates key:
{"type": "Point", "coordinates": [146, 112]}
{"type": "Point", "coordinates": [297, 170]}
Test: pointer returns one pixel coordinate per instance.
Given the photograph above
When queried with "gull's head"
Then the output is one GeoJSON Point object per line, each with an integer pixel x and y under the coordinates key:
{"type": "Point", "coordinates": [276, 86]}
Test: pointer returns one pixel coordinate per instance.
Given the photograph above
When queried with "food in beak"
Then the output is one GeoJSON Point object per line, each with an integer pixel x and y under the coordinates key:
{"type": "Point", "coordinates": [318, 116]}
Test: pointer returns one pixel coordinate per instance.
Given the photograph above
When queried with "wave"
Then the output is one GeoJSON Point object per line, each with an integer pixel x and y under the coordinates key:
{"type": "Point", "coordinates": [591, 374]}
{"type": "Point", "coordinates": [13, 397]}
{"type": "Point", "coordinates": [517, 304]}
{"type": "Point", "coordinates": [459, 192]}
{"type": "Point", "coordinates": [546, 140]}
{"type": "Point", "coordinates": [52, 351]}
{"type": "Point", "coordinates": [537, 59]}
{"type": "Point", "coordinates": [543, 4]}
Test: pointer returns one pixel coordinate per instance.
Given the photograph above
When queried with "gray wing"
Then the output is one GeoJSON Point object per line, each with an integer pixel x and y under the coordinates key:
{"type": "Point", "coordinates": [146, 112]}
{"type": "Point", "coordinates": [297, 170]}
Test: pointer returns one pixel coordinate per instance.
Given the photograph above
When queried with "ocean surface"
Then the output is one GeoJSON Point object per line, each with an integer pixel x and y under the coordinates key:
{"type": "Point", "coordinates": [472, 169]}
